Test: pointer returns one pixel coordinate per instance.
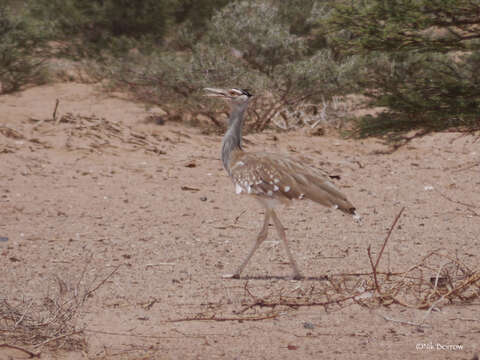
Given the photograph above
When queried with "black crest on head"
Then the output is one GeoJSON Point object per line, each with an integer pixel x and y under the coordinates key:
{"type": "Point", "coordinates": [246, 92]}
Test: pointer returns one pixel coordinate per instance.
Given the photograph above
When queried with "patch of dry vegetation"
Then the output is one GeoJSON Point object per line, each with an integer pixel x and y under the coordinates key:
{"type": "Point", "coordinates": [50, 320]}
{"type": "Point", "coordinates": [75, 132]}
{"type": "Point", "coordinates": [437, 280]}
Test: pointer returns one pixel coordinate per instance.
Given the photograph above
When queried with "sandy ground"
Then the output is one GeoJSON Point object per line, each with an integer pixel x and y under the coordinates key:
{"type": "Point", "coordinates": [102, 192]}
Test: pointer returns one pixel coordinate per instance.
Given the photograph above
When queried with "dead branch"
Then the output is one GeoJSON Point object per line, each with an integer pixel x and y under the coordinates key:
{"type": "Point", "coordinates": [63, 336]}
{"type": "Point", "coordinates": [467, 167]}
{"type": "Point", "coordinates": [456, 201]}
{"type": "Point", "coordinates": [19, 321]}
{"type": "Point", "coordinates": [10, 132]}
{"type": "Point", "coordinates": [403, 321]}
{"type": "Point", "coordinates": [374, 270]}
{"type": "Point", "coordinates": [415, 288]}
{"type": "Point", "coordinates": [51, 320]}
{"type": "Point", "coordinates": [238, 216]}
{"type": "Point", "coordinates": [91, 291]}
{"type": "Point", "coordinates": [54, 115]}
{"type": "Point", "coordinates": [28, 352]}
{"type": "Point", "coordinates": [296, 304]}
{"type": "Point", "coordinates": [375, 266]}
{"type": "Point", "coordinates": [129, 334]}
{"type": "Point", "coordinates": [388, 236]}
{"type": "Point", "coordinates": [236, 318]}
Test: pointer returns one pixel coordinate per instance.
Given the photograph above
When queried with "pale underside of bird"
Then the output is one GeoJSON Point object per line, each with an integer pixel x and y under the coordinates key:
{"type": "Point", "coordinates": [271, 178]}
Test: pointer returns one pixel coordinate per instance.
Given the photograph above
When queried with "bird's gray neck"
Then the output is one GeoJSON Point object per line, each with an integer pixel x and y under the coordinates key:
{"type": "Point", "coordinates": [233, 137]}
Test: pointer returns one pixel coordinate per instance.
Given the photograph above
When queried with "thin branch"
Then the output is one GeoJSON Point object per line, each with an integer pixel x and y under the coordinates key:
{"type": "Point", "coordinates": [58, 338]}
{"type": "Point", "coordinates": [467, 167]}
{"type": "Point", "coordinates": [130, 335]}
{"type": "Point", "coordinates": [293, 304]}
{"type": "Point", "coordinates": [388, 236]}
{"type": "Point", "coordinates": [215, 318]}
{"type": "Point", "coordinates": [456, 201]}
{"type": "Point", "coordinates": [375, 266]}
{"type": "Point", "coordinates": [90, 292]}
{"type": "Point", "coordinates": [23, 315]}
{"type": "Point", "coordinates": [54, 116]}
{"type": "Point", "coordinates": [28, 352]}
{"type": "Point", "coordinates": [374, 270]}
{"type": "Point", "coordinates": [403, 321]}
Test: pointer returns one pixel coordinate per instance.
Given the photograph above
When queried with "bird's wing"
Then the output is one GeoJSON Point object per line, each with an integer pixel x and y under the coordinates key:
{"type": "Point", "coordinates": [262, 174]}
{"type": "Point", "coordinates": [272, 174]}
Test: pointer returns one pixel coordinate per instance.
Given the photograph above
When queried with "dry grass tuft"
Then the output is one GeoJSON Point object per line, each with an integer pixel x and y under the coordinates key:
{"type": "Point", "coordinates": [50, 320]}
{"type": "Point", "coordinates": [92, 133]}
{"type": "Point", "coordinates": [75, 132]}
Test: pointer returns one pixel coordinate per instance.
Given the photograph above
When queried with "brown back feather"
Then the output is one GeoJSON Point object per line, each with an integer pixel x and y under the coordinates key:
{"type": "Point", "coordinates": [266, 174]}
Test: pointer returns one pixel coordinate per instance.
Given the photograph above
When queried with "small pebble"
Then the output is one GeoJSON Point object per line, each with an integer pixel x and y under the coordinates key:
{"type": "Point", "coordinates": [308, 325]}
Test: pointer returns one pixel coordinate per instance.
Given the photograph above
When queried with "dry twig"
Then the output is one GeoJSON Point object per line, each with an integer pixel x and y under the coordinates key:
{"type": "Point", "coordinates": [218, 318]}
{"type": "Point", "coordinates": [375, 266]}
{"type": "Point", "coordinates": [50, 320]}
{"type": "Point", "coordinates": [31, 354]}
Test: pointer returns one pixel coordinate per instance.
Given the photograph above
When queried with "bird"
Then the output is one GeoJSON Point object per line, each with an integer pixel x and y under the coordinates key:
{"type": "Point", "coordinates": [273, 179]}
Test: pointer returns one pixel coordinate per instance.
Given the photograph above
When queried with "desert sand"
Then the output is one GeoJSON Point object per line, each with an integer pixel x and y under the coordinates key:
{"type": "Point", "coordinates": [128, 226]}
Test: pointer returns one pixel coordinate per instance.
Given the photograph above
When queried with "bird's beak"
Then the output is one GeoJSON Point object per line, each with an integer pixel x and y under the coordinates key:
{"type": "Point", "coordinates": [212, 92]}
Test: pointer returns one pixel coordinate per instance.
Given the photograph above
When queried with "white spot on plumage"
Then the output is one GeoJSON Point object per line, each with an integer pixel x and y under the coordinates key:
{"type": "Point", "coordinates": [301, 196]}
{"type": "Point", "coordinates": [270, 193]}
{"type": "Point", "coordinates": [275, 188]}
{"type": "Point", "coordinates": [276, 181]}
{"type": "Point", "coordinates": [287, 188]}
{"type": "Point", "coordinates": [237, 164]}
{"type": "Point", "coordinates": [335, 206]}
{"type": "Point", "coordinates": [238, 188]}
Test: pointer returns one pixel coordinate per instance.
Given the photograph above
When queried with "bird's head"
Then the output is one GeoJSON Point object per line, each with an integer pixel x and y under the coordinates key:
{"type": "Point", "coordinates": [233, 96]}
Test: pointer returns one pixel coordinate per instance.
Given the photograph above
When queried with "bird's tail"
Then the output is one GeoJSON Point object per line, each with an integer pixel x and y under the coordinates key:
{"type": "Point", "coordinates": [327, 194]}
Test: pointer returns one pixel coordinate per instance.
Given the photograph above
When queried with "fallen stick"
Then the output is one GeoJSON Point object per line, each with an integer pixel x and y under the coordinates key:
{"type": "Point", "coordinates": [58, 338]}
{"type": "Point", "coordinates": [374, 266]}
{"type": "Point", "coordinates": [28, 352]}
{"type": "Point", "coordinates": [214, 318]}
{"type": "Point", "coordinates": [54, 116]}
{"type": "Point", "coordinates": [403, 321]}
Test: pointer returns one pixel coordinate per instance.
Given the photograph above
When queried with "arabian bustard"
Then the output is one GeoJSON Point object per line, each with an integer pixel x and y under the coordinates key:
{"type": "Point", "coordinates": [270, 178]}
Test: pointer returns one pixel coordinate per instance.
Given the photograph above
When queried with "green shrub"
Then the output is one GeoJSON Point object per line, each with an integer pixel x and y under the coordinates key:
{"type": "Point", "coordinates": [422, 62]}
{"type": "Point", "coordinates": [259, 52]}
{"type": "Point", "coordinates": [92, 27]}
{"type": "Point", "coordinates": [23, 48]}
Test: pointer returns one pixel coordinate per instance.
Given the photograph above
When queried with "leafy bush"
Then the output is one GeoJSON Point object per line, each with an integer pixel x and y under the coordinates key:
{"type": "Point", "coordinates": [23, 48]}
{"type": "Point", "coordinates": [253, 29]}
{"type": "Point", "coordinates": [91, 27]}
{"type": "Point", "coordinates": [422, 62]}
{"type": "Point", "coordinates": [418, 60]}
{"type": "Point", "coordinates": [259, 51]}
{"type": "Point", "coordinates": [426, 92]}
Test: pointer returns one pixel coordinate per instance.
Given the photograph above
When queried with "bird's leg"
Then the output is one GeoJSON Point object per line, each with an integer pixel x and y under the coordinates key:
{"type": "Point", "coordinates": [262, 235]}
{"type": "Point", "coordinates": [281, 232]}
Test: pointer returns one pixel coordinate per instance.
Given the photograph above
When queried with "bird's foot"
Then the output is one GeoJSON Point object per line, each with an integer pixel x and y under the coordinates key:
{"type": "Point", "coordinates": [231, 276]}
